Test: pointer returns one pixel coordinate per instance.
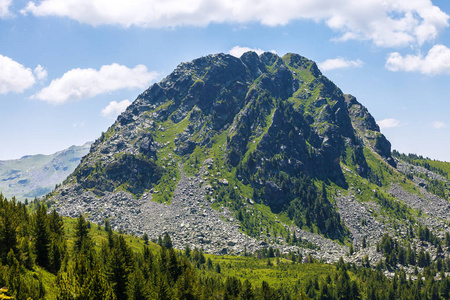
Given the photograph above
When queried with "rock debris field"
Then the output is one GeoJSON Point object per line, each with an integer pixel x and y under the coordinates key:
{"type": "Point", "coordinates": [188, 219]}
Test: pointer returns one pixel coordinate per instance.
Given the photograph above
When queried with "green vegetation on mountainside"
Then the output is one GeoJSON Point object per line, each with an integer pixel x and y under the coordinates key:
{"type": "Point", "coordinates": [270, 134]}
{"type": "Point", "coordinates": [438, 187]}
{"type": "Point", "coordinates": [439, 167]}
{"type": "Point", "coordinates": [42, 257]}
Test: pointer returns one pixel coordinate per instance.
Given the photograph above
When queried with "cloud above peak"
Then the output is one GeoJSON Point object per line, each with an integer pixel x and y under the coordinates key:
{"type": "Point", "coordinates": [237, 51]}
{"type": "Point", "coordinates": [388, 123]}
{"type": "Point", "coordinates": [388, 23]}
{"type": "Point", "coordinates": [86, 83]}
{"type": "Point", "coordinates": [114, 108]}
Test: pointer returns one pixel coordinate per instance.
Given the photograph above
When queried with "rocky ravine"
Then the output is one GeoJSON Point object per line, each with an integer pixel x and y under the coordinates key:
{"type": "Point", "coordinates": [188, 219]}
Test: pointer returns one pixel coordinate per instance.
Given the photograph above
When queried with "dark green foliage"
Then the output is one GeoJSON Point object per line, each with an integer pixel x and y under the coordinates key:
{"type": "Point", "coordinates": [134, 173]}
{"type": "Point", "coordinates": [26, 241]}
{"type": "Point", "coordinates": [442, 168]}
{"type": "Point", "coordinates": [145, 238]}
{"type": "Point", "coordinates": [107, 225]}
{"type": "Point", "coordinates": [82, 239]}
{"type": "Point", "coordinates": [426, 235]}
{"type": "Point", "coordinates": [10, 217]}
{"type": "Point", "coordinates": [437, 187]}
{"type": "Point", "coordinates": [120, 267]}
{"type": "Point", "coordinates": [115, 272]}
{"type": "Point", "coordinates": [42, 236]}
{"type": "Point", "coordinates": [167, 242]}
{"type": "Point", "coordinates": [394, 207]}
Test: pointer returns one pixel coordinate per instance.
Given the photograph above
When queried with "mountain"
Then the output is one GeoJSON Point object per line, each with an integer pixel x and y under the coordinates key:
{"type": "Point", "coordinates": [233, 154]}
{"type": "Point", "coordinates": [36, 175]}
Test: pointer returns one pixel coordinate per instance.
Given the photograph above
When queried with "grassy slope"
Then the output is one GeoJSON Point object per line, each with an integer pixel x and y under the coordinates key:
{"type": "Point", "coordinates": [281, 272]}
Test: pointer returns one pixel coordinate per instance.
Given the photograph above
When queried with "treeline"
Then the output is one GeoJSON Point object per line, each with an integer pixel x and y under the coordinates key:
{"type": "Point", "coordinates": [27, 240]}
{"type": "Point", "coordinates": [33, 244]}
{"type": "Point", "coordinates": [297, 196]}
{"type": "Point", "coordinates": [115, 272]}
{"type": "Point", "coordinates": [406, 255]}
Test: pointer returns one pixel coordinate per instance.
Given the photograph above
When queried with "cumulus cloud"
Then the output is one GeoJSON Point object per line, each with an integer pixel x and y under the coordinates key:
{"type": "Point", "coordinates": [386, 23]}
{"type": "Point", "coordinates": [4, 8]}
{"type": "Point", "coordinates": [439, 125]}
{"type": "Point", "coordinates": [85, 83]}
{"type": "Point", "coordinates": [115, 108]}
{"type": "Point", "coordinates": [14, 77]}
{"type": "Point", "coordinates": [388, 123]}
{"type": "Point", "coordinates": [339, 63]}
{"type": "Point", "coordinates": [40, 73]}
{"type": "Point", "coordinates": [436, 62]}
{"type": "Point", "coordinates": [238, 51]}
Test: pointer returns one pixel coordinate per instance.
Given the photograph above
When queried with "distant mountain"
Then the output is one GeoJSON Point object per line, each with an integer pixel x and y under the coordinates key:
{"type": "Point", "coordinates": [234, 154]}
{"type": "Point", "coordinates": [36, 175]}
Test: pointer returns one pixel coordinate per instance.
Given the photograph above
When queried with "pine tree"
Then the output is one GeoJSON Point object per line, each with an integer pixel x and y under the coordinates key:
{"type": "Point", "coordinates": [82, 239]}
{"type": "Point", "coordinates": [120, 267]}
{"type": "Point", "coordinates": [98, 288]}
{"type": "Point", "coordinates": [56, 224]}
{"type": "Point", "coordinates": [26, 255]}
{"type": "Point", "coordinates": [42, 236]}
{"type": "Point", "coordinates": [247, 291]}
{"type": "Point", "coordinates": [137, 289]}
{"type": "Point", "coordinates": [8, 224]}
{"type": "Point", "coordinates": [162, 289]}
{"type": "Point", "coordinates": [167, 242]}
{"type": "Point", "coordinates": [145, 238]}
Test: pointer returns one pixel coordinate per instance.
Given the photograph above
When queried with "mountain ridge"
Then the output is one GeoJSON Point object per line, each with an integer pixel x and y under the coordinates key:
{"type": "Point", "coordinates": [232, 154]}
{"type": "Point", "coordinates": [36, 175]}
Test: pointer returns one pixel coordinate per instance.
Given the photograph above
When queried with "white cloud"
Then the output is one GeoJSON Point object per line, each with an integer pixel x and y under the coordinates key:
{"type": "Point", "coordinates": [114, 108]}
{"type": "Point", "coordinates": [84, 83]}
{"type": "Point", "coordinates": [388, 123]}
{"type": "Point", "coordinates": [439, 125]}
{"type": "Point", "coordinates": [40, 73]}
{"type": "Point", "coordinates": [436, 62]}
{"type": "Point", "coordinates": [339, 63]}
{"type": "Point", "coordinates": [4, 8]}
{"type": "Point", "coordinates": [387, 23]}
{"type": "Point", "coordinates": [237, 51]}
{"type": "Point", "coordinates": [14, 77]}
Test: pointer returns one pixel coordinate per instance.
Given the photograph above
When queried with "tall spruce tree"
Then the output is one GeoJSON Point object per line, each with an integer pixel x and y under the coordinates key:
{"type": "Point", "coordinates": [42, 236]}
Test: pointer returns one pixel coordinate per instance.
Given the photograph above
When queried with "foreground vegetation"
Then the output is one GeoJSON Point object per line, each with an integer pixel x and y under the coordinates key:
{"type": "Point", "coordinates": [43, 256]}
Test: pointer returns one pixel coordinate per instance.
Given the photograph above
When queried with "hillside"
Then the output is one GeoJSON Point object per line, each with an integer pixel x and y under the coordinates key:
{"type": "Point", "coordinates": [36, 175]}
{"type": "Point", "coordinates": [233, 155]}
{"type": "Point", "coordinates": [44, 256]}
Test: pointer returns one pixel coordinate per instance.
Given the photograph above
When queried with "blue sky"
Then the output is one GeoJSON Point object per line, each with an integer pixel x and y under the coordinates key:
{"type": "Point", "coordinates": [68, 67]}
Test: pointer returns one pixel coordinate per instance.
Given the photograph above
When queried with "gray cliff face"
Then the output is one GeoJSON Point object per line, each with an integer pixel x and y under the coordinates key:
{"type": "Point", "coordinates": [368, 128]}
{"type": "Point", "coordinates": [222, 135]}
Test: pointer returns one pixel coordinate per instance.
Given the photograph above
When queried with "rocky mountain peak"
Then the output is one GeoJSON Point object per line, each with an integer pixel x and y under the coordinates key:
{"type": "Point", "coordinates": [228, 133]}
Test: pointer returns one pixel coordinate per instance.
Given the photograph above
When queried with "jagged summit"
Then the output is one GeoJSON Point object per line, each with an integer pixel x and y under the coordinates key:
{"type": "Point", "coordinates": [220, 93]}
{"type": "Point", "coordinates": [219, 140]}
